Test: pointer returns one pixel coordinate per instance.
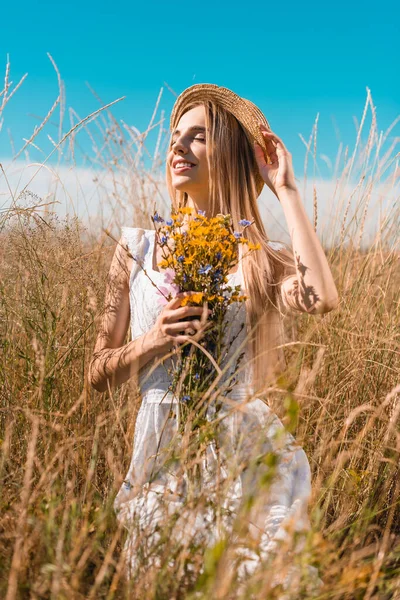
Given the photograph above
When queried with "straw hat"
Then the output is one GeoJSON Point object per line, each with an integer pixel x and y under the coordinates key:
{"type": "Point", "coordinates": [245, 111]}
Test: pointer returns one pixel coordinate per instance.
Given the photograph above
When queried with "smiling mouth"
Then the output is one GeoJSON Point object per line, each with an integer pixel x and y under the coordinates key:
{"type": "Point", "coordinates": [179, 169]}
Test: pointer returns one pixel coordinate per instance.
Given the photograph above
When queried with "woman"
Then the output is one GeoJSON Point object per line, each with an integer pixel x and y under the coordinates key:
{"type": "Point", "coordinates": [222, 152]}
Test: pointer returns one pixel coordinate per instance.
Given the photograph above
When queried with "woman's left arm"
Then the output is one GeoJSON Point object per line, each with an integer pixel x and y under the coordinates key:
{"type": "Point", "coordinates": [312, 289]}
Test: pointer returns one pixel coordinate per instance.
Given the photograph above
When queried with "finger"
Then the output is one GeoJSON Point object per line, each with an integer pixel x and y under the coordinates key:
{"type": "Point", "coordinates": [175, 328]}
{"type": "Point", "coordinates": [201, 331]}
{"type": "Point", "coordinates": [202, 327]}
{"type": "Point", "coordinates": [259, 153]}
{"type": "Point", "coordinates": [270, 152]}
{"type": "Point", "coordinates": [270, 147]}
{"type": "Point", "coordinates": [205, 313]}
{"type": "Point", "coordinates": [263, 126]}
{"type": "Point", "coordinates": [273, 156]}
{"type": "Point", "coordinates": [184, 312]}
{"type": "Point", "coordinates": [272, 136]}
{"type": "Point", "coordinates": [279, 152]}
{"type": "Point", "coordinates": [181, 339]}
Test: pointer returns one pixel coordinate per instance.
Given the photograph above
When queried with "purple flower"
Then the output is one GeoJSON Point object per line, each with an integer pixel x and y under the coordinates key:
{"type": "Point", "coordinates": [204, 270]}
{"type": "Point", "coordinates": [169, 275]}
{"type": "Point", "coordinates": [169, 222]}
{"type": "Point", "coordinates": [185, 398]}
{"type": "Point", "coordinates": [202, 212]}
{"type": "Point", "coordinates": [181, 258]}
{"type": "Point", "coordinates": [170, 288]}
{"type": "Point", "coordinates": [158, 219]}
{"type": "Point", "coordinates": [164, 291]}
{"type": "Point", "coordinates": [244, 222]}
{"type": "Point", "coordinates": [218, 255]}
{"type": "Point", "coordinates": [237, 234]}
{"type": "Point", "coordinates": [164, 239]}
{"type": "Point", "coordinates": [197, 376]}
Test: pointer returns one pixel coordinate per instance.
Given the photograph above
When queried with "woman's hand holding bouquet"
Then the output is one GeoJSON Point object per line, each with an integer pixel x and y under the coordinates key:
{"type": "Point", "coordinates": [174, 324]}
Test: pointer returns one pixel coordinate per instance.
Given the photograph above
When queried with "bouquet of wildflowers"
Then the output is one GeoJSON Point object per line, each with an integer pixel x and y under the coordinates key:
{"type": "Point", "coordinates": [197, 257]}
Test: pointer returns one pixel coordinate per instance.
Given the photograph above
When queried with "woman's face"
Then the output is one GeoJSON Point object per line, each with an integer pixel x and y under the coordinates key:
{"type": "Point", "coordinates": [188, 143]}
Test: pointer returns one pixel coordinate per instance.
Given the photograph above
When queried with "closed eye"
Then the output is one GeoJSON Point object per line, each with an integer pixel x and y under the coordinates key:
{"type": "Point", "coordinates": [202, 139]}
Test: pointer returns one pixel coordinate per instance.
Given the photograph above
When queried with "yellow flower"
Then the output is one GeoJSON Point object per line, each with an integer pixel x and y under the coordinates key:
{"type": "Point", "coordinates": [252, 246]}
{"type": "Point", "coordinates": [196, 297]}
{"type": "Point", "coordinates": [223, 231]}
{"type": "Point", "coordinates": [200, 242]}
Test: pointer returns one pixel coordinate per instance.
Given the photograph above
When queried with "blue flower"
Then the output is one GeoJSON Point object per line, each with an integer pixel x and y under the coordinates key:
{"type": "Point", "coordinates": [164, 239]}
{"type": "Point", "coordinates": [181, 258]}
{"type": "Point", "coordinates": [197, 376]}
{"type": "Point", "coordinates": [204, 270]}
{"type": "Point", "coordinates": [185, 398]}
{"type": "Point", "coordinates": [127, 485]}
{"type": "Point", "coordinates": [158, 219]}
{"type": "Point", "coordinates": [218, 256]}
{"type": "Point", "coordinates": [169, 222]}
{"type": "Point", "coordinates": [185, 278]}
{"type": "Point", "coordinates": [244, 222]}
{"type": "Point", "coordinates": [237, 234]}
{"type": "Point", "coordinates": [202, 212]}
{"type": "Point", "coordinates": [217, 275]}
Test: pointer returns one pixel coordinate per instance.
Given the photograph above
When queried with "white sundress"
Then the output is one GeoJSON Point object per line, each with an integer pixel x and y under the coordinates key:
{"type": "Point", "coordinates": [151, 490]}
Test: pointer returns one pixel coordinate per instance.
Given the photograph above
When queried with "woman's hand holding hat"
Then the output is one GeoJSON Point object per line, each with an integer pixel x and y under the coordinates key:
{"type": "Point", "coordinates": [278, 175]}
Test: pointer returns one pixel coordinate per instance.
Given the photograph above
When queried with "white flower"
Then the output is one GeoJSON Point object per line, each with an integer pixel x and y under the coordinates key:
{"type": "Point", "coordinates": [276, 245]}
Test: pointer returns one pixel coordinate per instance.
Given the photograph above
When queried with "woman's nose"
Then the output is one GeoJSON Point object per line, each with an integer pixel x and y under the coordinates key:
{"type": "Point", "coordinates": [179, 147]}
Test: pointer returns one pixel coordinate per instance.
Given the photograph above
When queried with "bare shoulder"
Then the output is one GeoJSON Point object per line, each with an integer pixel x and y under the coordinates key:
{"type": "Point", "coordinates": [121, 264]}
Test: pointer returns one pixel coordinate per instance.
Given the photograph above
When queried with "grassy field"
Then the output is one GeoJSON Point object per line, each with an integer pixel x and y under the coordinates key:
{"type": "Point", "coordinates": [65, 449]}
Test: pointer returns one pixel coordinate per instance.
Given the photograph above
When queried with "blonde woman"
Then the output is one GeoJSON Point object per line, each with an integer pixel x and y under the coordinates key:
{"type": "Point", "coordinates": [222, 152]}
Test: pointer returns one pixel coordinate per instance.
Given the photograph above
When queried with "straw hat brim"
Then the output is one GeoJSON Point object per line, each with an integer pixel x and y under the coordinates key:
{"type": "Point", "coordinates": [247, 113]}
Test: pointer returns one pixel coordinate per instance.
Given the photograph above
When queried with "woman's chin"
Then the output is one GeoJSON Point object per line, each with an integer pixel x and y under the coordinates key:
{"type": "Point", "coordinates": [181, 186]}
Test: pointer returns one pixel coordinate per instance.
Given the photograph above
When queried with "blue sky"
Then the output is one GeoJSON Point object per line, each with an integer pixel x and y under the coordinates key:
{"type": "Point", "coordinates": [293, 60]}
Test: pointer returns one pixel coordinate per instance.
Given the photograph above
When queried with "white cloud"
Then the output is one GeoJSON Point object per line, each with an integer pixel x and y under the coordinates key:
{"type": "Point", "coordinates": [112, 198]}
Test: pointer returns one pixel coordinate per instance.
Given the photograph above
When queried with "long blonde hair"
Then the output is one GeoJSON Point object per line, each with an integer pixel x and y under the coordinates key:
{"type": "Point", "coordinates": [232, 190]}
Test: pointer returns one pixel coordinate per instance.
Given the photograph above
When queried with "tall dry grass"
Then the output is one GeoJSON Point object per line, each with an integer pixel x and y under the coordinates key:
{"type": "Point", "coordinates": [65, 449]}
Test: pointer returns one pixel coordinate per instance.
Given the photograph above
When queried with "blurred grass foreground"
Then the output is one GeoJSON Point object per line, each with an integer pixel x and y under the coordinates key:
{"type": "Point", "coordinates": [65, 449]}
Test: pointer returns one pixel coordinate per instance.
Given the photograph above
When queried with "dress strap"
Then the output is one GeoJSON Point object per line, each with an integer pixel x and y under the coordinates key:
{"type": "Point", "coordinates": [135, 239]}
{"type": "Point", "coordinates": [150, 235]}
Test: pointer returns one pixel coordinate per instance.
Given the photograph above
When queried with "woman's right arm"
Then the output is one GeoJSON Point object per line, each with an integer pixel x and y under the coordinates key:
{"type": "Point", "coordinates": [114, 362]}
